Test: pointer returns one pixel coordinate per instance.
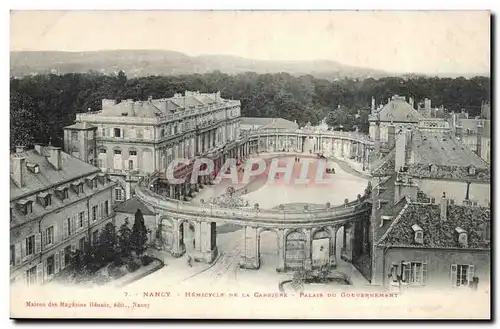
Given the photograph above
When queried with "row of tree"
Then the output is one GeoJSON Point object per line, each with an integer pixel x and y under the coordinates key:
{"type": "Point", "coordinates": [42, 105]}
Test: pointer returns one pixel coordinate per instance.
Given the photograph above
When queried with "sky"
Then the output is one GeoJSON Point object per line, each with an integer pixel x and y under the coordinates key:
{"type": "Point", "coordinates": [394, 41]}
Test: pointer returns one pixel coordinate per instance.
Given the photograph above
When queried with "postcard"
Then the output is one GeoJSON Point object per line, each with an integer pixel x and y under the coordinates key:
{"type": "Point", "coordinates": [250, 164]}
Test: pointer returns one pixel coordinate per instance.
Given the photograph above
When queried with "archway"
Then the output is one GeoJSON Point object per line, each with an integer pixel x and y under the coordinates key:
{"type": "Point", "coordinates": [320, 248]}
{"type": "Point", "coordinates": [309, 143]}
{"type": "Point", "coordinates": [268, 249]}
{"type": "Point", "coordinates": [295, 250]}
{"type": "Point", "coordinates": [164, 234]}
{"type": "Point", "coordinates": [190, 238]}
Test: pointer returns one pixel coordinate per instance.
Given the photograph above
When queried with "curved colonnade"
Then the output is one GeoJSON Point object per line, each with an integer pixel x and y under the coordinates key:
{"type": "Point", "coordinates": [305, 238]}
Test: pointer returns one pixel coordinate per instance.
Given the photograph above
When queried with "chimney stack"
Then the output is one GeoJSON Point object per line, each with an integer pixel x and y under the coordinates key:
{"type": "Point", "coordinates": [400, 150]}
{"type": "Point", "coordinates": [443, 206]}
{"type": "Point", "coordinates": [427, 103]}
{"type": "Point", "coordinates": [16, 168]}
{"type": "Point", "coordinates": [54, 156]}
{"type": "Point", "coordinates": [373, 105]}
{"type": "Point", "coordinates": [38, 149]}
{"type": "Point", "coordinates": [412, 102]}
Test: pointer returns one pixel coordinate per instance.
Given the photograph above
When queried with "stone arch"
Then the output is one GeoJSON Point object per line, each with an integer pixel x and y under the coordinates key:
{"type": "Point", "coordinates": [267, 249]}
{"type": "Point", "coordinates": [321, 246]}
{"type": "Point", "coordinates": [295, 249]}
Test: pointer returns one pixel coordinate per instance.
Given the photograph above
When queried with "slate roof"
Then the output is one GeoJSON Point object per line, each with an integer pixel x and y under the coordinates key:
{"type": "Point", "coordinates": [131, 205]}
{"type": "Point", "coordinates": [71, 169]}
{"type": "Point", "coordinates": [398, 110]}
{"type": "Point", "coordinates": [439, 233]}
{"type": "Point", "coordinates": [80, 126]}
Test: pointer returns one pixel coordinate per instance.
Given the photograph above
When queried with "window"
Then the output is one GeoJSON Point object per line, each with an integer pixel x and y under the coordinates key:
{"type": "Point", "coordinates": [130, 164]}
{"type": "Point", "coordinates": [106, 210]}
{"type": "Point", "coordinates": [94, 183]}
{"type": "Point", "coordinates": [103, 132]}
{"type": "Point", "coordinates": [81, 218]}
{"type": "Point", "coordinates": [50, 265]}
{"type": "Point", "coordinates": [117, 152]}
{"type": "Point", "coordinates": [118, 132]}
{"type": "Point", "coordinates": [451, 201]}
{"type": "Point", "coordinates": [132, 153]}
{"type": "Point", "coordinates": [30, 245]}
{"type": "Point", "coordinates": [95, 237]}
{"type": "Point", "coordinates": [118, 194]}
{"type": "Point", "coordinates": [94, 213]}
{"type": "Point", "coordinates": [416, 273]}
{"type": "Point", "coordinates": [81, 244]}
{"type": "Point", "coordinates": [67, 255]}
{"type": "Point", "coordinates": [68, 226]}
{"type": "Point", "coordinates": [48, 200]}
{"type": "Point", "coordinates": [102, 151]}
{"type": "Point", "coordinates": [461, 275]}
{"type": "Point", "coordinates": [12, 254]}
{"type": "Point", "coordinates": [472, 170]}
{"type": "Point", "coordinates": [80, 188]}
{"type": "Point", "coordinates": [419, 237]}
{"type": "Point", "coordinates": [31, 276]}
{"type": "Point", "coordinates": [49, 235]}
{"type": "Point", "coordinates": [74, 135]}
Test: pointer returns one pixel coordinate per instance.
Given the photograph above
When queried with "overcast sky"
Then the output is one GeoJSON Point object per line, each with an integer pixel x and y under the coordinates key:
{"type": "Point", "coordinates": [423, 42]}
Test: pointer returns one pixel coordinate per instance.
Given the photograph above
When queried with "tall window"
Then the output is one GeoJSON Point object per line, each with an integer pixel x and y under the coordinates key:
{"type": "Point", "coordinates": [118, 132]}
{"type": "Point", "coordinates": [81, 244]}
{"type": "Point", "coordinates": [461, 275]}
{"type": "Point", "coordinates": [94, 213]}
{"type": "Point", "coordinates": [416, 273]}
{"type": "Point", "coordinates": [95, 237]}
{"type": "Point", "coordinates": [74, 135]}
{"type": "Point", "coordinates": [30, 245]}
{"type": "Point", "coordinates": [81, 217]}
{"type": "Point", "coordinates": [130, 164]}
{"type": "Point", "coordinates": [49, 235]}
{"type": "Point", "coordinates": [68, 226]}
{"type": "Point", "coordinates": [31, 276]}
{"type": "Point", "coordinates": [103, 132]}
{"type": "Point", "coordinates": [50, 265]}
{"type": "Point", "coordinates": [106, 210]}
{"type": "Point", "coordinates": [67, 255]}
{"type": "Point", "coordinates": [118, 194]}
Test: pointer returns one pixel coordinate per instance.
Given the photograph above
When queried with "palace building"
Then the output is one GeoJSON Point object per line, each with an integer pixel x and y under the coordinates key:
{"type": "Point", "coordinates": [58, 203]}
{"type": "Point", "coordinates": [130, 139]}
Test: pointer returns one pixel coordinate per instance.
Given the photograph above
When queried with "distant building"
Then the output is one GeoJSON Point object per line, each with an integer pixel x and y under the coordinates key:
{"type": "Point", "coordinates": [253, 123]}
{"type": "Point", "coordinates": [431, 213]}
{"type": "Point", "coordinates": [131, 139]}
{"type": "Point", "coordinates": [58, 203]}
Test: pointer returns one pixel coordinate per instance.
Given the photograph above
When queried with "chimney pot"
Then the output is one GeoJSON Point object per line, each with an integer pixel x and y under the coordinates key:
{"type": "Point", "coordinates": [443, 207]}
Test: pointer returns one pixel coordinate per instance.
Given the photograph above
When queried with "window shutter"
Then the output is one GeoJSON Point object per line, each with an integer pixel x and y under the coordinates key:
{"type": "Point", "coordinates": [45, 270]}
{"type": "Point", "coordinates": [406, 273]}
{"type": "Point", "coordinates": [55, 238]}
{"type": "Point", "coordinates": [470, 273]}
{"type": "Point", "coordinates": [44, 237]}
{"type": "Point", "coordinates": [56, 262]}
{"type": "Point", "coordinates": [17, 253]}
{"type": "Point", "coordinates": [65, 228]}
{"type": "Point", "coordinates": [39, 273]}
{"type": "Point", "coordinates": [61, 255]}
{"type": "Point", "coordinates": [454, 275]}
{"type": "Point", "coordinates": [424, 273]}
{"type": "Point", "coordinates": [23, 250]}
{"type": "Point", "coordinates": [73, 225]}
{"type": "Point", "coordinates": [38, 238]}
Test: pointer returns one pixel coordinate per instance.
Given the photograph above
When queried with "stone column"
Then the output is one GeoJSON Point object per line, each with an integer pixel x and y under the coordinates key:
{"type": "Point", "coordinates": [207, 245]}
{"type": "Point", "coordinates": [250, 258]}
{"type": "Point", "coordinates": [333, 246]}
{"type": "Point", "coordinates": [178, 248]}
{"type": "Point", "coordinates": [281, 250]}
{"type": "Point", "coordinates": [308, 247]}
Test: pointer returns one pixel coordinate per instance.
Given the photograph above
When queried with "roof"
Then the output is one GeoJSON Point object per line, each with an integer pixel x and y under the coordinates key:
{"type": "Point", "coordinates": [80, 126]}
{"type": "Point", "coordinates": [439, 233]}
{"type": "Point", "coordinates": [471, 124]}
{"type": "Point", "coordinates": [269, 123]}
{"type": "Point", "coordinates": [131, 205]}
{"type": "Point", "coordinates": [71, 169]}
{"type": "Point", "coordinates": [398, 110]}
{"type": "Point", "coordinates": [442, 148]}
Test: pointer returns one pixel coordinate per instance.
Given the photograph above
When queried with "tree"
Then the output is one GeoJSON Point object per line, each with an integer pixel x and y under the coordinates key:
{"type": "Point", "coordinates": [139, 236]}
{"type": "Point", "coordinates": [124, 239]}
{"type": "Point", "coordinates": [107, 243]}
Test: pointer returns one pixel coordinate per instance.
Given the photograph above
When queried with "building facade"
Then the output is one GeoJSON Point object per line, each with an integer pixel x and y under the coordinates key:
{"type": "Point", "coordinates": [58, 204]}
{"type": "Point", "coordinates": [131, 139]}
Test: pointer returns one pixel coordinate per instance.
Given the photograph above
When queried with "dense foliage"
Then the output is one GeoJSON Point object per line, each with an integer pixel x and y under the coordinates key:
{"type": "Point", "coordinates": [42, 105]}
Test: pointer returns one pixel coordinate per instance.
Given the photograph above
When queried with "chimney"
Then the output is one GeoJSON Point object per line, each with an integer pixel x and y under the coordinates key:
{"type": "Point", "coordinates": [54, 156]}
{"type": "Point", "coordinates": [20, 149]}
{"type": "Point", "coordinates": [400, 150]}
{"type": "Point", "coordinates": [38, 149]}
{"type": "Point", "coordinates": [412, 102]}
{"type": "Point", "coordinates": [427, 103]}
{"type": "Point", "coordinates": [16, 168]}
{"type": "Point", "coordinates": [405, 187]}
{"type": "Point", "coordinates": [373, 105]}
{"type": "Point", "coordinates": [391, 136]}
{"type": "Point", "coordinates": [443, 206]}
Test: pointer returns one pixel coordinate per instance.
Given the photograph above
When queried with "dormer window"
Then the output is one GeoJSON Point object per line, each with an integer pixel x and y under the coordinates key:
{"type": "Point", "coordinates": [44, 199]}
{"type": "Point", "coordinates": [472, 170]}
{"type": "Point", "coordinates": [77, 187]}
{"type": "Point", "coordinates": [102, 178]}
{"type": "Point", "coordinates": [25, 206]}
{"type": "Point", "coordinates": [462, 237]}
{"type": "Point", "coordinates": [91, 181]}
{"type": "Point", "coordinates": [33, 167]}
{"type": "Point", "coordinates": [418, 234]}
{"type": "Point", "coordinates": [62, 192]}
{"type": "Point", "coordinates": [433, 168]}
